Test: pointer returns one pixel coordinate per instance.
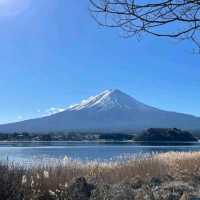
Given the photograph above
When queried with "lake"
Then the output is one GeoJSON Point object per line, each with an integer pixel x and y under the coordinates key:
{"type": "Point", "coordinates": [29, 152]}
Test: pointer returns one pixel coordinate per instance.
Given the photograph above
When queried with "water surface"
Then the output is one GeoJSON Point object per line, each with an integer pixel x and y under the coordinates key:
{"type": "Point", "coordinates": [27, 152]}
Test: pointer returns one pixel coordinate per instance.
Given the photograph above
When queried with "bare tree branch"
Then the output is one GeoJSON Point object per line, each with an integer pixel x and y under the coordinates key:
{"type": "Point", "coordinates": [179, 19]}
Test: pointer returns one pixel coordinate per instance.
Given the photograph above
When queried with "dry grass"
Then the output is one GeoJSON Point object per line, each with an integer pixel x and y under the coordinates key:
{"type": "Point", "coordinates": [184, 166]}
{"type": "Point", "coordinates": [39, 182]}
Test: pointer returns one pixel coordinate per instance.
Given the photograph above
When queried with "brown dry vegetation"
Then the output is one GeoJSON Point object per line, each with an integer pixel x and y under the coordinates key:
{"type": "Point", "coordinates": [53, 182]}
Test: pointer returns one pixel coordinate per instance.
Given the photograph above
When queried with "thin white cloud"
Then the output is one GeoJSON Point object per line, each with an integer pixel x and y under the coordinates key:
{"type": "Point", "coordinates": [53, 110]}
{"type": "Point", "coordinates": [19, 117]}
{"type": "Point", "coordinates": [38, 111]}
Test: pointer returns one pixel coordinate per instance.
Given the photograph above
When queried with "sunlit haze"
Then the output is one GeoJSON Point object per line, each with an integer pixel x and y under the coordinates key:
{"type": "Point", "coordinates": [13, 7]}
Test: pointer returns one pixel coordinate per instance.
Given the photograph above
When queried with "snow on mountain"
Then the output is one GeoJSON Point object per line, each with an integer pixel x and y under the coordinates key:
{"type": "Point", "coordinates": [109, 99]}
{"type": "Point", "coordinates": [111, 110]}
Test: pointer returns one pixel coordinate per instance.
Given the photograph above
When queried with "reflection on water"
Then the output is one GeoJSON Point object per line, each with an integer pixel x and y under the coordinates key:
{"type": "Point", "coordinates": [29, 151]}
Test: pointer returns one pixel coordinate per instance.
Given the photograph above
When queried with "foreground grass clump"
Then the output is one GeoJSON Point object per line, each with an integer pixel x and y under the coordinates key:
{"type": "Point", "coordinates": [167, 176]}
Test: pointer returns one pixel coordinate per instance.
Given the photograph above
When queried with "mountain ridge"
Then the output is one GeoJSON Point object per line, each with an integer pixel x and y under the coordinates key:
{"type": "Point", "coordinates": [109, 110]}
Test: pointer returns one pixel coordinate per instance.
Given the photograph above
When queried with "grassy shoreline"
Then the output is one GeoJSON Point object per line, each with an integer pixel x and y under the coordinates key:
{"type": "Point", "coordinates": [101, 180]}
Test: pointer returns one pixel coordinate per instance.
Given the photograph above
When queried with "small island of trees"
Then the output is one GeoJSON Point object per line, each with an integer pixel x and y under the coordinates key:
{"type": "Point", "coordinates": [165, 135]}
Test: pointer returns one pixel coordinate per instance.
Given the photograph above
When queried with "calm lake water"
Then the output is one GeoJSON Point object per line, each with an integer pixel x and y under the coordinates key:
{"type": "Point", "coordinates": [27, 152]}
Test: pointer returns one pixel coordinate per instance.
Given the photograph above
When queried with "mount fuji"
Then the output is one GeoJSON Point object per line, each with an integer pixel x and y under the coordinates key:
{"type": "Point", "coordinates": [111, 110]}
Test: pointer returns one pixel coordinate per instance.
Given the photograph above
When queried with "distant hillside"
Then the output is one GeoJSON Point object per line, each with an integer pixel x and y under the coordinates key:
{"type": "Point", "coordinates": [165, 135]}
{"type": "Point", "coordinates": [111, 110]}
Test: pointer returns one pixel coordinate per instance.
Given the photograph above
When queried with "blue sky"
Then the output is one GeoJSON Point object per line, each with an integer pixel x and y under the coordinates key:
{"type": "Point", "coordinates": [52, 54]}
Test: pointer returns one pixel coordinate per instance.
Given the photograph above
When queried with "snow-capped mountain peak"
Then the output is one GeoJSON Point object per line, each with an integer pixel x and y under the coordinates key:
{"type": "Point", "coordinates": [111, 110]}
{"type": "Point", "coordinates": [109, 99]}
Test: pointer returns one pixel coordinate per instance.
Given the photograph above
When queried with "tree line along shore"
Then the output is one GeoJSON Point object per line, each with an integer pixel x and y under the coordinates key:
{"type": "Point", "coordinates": [152, 134]}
